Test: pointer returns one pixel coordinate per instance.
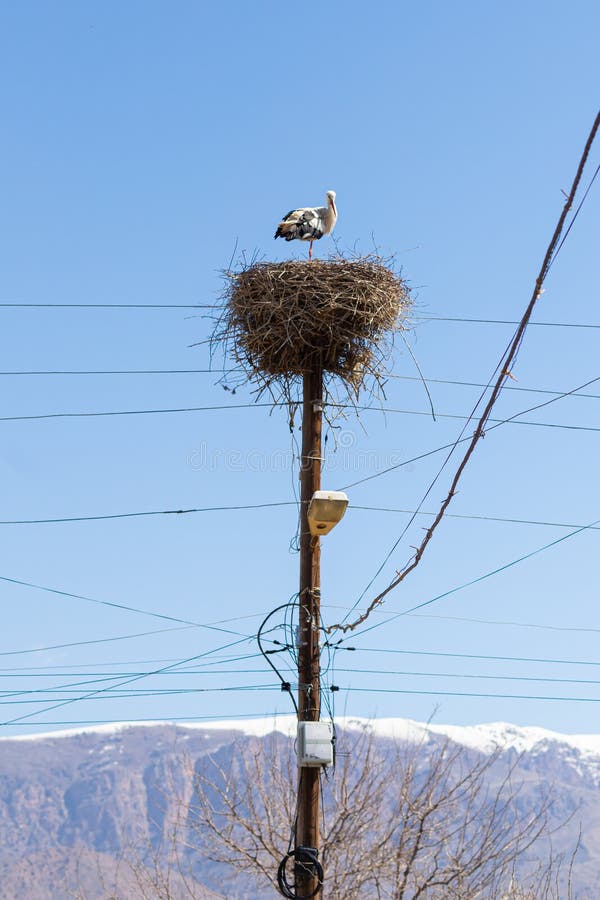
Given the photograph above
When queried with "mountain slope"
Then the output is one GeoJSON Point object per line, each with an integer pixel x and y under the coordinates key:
{"type": "Point", "coordinates": [80, 806]}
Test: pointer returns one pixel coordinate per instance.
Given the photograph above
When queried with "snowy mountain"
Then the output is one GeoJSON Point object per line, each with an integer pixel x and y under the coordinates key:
{"type": "Point", "coordinates": [74, 803]}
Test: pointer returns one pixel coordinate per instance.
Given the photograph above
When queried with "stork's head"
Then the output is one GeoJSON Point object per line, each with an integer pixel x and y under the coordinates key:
{"type": "Point", "coordinates": [330, 195]}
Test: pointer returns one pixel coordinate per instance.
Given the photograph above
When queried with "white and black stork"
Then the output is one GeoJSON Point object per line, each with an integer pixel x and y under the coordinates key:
{"type": "Point", "coordinates": [309, 223]}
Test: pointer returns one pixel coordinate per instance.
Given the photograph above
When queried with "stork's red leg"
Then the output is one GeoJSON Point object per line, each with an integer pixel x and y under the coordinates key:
{"type": "Point", "coordinates": [310, 250]}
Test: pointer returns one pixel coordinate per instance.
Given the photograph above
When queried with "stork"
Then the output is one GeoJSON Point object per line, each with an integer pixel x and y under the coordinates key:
{"type": "Point", "coordinates": [309, 223]}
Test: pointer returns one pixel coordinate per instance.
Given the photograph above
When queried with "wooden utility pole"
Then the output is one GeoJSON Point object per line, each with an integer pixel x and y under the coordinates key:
{"type": "Point", "coordinates": [307, 832]}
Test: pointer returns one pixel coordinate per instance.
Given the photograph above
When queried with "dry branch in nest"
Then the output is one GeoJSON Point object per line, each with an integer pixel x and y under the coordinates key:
{"type": "Point", "coordinates": [284, 319]}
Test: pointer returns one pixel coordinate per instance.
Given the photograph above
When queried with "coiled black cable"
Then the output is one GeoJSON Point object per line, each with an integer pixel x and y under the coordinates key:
{"type": "Point", "coordinates": [306, 859]}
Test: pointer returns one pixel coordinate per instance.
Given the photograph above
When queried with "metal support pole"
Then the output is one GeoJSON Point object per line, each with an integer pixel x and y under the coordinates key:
{"type": "Point", "coordinates": [307, 833]}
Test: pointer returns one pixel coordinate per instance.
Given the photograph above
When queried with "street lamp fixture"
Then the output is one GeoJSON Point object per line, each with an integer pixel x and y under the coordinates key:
{"type": "Point", "coordinates": [325, 510]}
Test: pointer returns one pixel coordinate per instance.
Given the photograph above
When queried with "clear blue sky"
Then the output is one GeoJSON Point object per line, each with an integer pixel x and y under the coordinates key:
{"type": "Point", "coordinates": [142, 142]}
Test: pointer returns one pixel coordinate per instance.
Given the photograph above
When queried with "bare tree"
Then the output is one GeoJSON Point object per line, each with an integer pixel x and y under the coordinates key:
{"type": "Point", "coordinates": [397, 822]}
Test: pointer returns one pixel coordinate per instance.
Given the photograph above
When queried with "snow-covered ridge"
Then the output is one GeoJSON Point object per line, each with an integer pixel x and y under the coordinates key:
{"type": "Point", "coordinates": [485, 737]}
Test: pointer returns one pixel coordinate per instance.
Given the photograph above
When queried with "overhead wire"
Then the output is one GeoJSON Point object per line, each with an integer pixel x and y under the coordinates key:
{"type": "Point", "coordinates": [122, 606]}
{"type": "Point", "coordinates": [495, 696]}
{"type": "Point", "coordinates": [504, 366]}
{"type": "Point", "coordinates": [389, 376]}
{"type": "Point", "coordinates": [166, 720]}
{"type": "Point", "coordinates": [123, 637]}
{"type": "Point", "coordinates": [331, 405]}
{"type": "Point", "coordinates": [463, 439]}
{"type": "Point", "coordinates": [6, 305]}
{"type": "Point", "coordinates": [107, 694]}
{"type": "Point", "coordinates": [47, 670]}
{"type": "Point", "coordinates": [250, 506]}
{"type": "Point", "coordinates": [480, 578]}
{"type": "Point", "coordinates": [286, 645]}
{"type": "Point", "coordinates": [148, 513]}
{"type": "Point", "coordinates": [478, 656]}
{"type": "Point", "coordinates": [416, 317]}
{"type": "Point", "coordinates": [472, 321]}
{"type": "Point", "coordinates": [442, 510]}
{"type": "Point", "coordinates": [121, 674]}
{"type": "Point", "coordinates": [472, 675]}
{"type": "Point", "coordinates": [92, 694]}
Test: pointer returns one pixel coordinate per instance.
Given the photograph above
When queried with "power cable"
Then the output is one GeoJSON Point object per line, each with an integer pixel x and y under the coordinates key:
{"type": "Point", "coordinates": [469, 321]}
{"type": "Point", "coordinates": [135, 694]}
{"type": "Point", "coordinates": [392, 376]}
{"type": "Point", "coordinates": [512, 420]}
{"type": "Point", "coordinates": [124, 637]}
{"type": "Point", "coordinates": [507, 360]}
{"type": "Point", "coordinates": [480, 578]}
{"type": "Point", "coordinates": [578, 628]}
{"type": "Point", "coordinates": [135, 412]}
{"type": "Point", "coordinates": [118, 674]}
{"type": "Point", "coordinates": [418, 317]}
{"type": "Point", "coordinates": [165, 720]}
{"type": "Point", "coordinates": [478, 656]}
{"type": "Point", "coordinates": [65, 669]}
{"type": "Point", "coordinates": [442, 693]}
{"type": "Point", "coordinates": [471, 517]}
{"type": "Point", "coordinates": [118, 372]}
{"type": "Point", "coordinates": [285, 685]}
{"type": "Point", "coordinates": [476, 676]}
{"type": "Point", "coordinates": [462, 440]}
{"type": "Point", "coordinates": [419, 551]}
{"type": "Point", "coordinates": [479, 384]}
{"type": "Point", "coordinates": [111, 306]}
{"type": "Point", "coordinates": [336, 406]}
{"type": "Point", "coordinates": [147, 513]}
{"type": "Point", "coordinates": [251, 506]}
{"type": "Point", "coordinates": [143, 612]}
{"type": "Point", "coordinates": [93, 694]}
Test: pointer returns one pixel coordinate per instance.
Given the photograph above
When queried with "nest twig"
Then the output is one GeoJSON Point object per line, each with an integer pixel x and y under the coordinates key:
{"type": "Point", "coordinates": [281, 320]}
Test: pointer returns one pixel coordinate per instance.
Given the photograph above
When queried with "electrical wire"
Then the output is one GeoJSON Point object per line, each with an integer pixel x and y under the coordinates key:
{"type": "Point", "coordinates": [460, 440]}
{"type": "Point", "coordinates": [93, 694]}
{"type": "Point", "coordinates": [134, 694]}
{"type": "Point", "coordinates": [442, 693]}
{"type": "Point", "coordinates": [584, 629]}
{"type": "Point", "coordinates": [476, 518]}
{"type": "Point", "coordinates": [148, 513]}
{"type": "Point", "coordinates": [391, 376]}
{"type": "Point", "coordinates": [119, 674]}
{"type": "Point", "coordinates": [111, 306]}
{"type": "Point", "coordinates": [478, 656]}
{"type": "Point", "coordinates": [507, 360]}
{"type": "Point", "coordinates": [285, 685]}
{"type": "Point", "coordinates": [409, 566]}
{"type": "Point", "coordinates": [481, 578]}
{"type": "Point", "coordinates": [135, 412]}
{"type": "Point", "coordinates": [417, 317]}
{"type": "Point", "coordinates": [479, 384]}
{"type": "Point", "coordinates": [123, 606]}
{"type": "Point", "coordinates": [166, 720]}
{"type": "Point", "coordinates": [476, 676]}
{"type": "Point", "coordinates": [337, 406]}
{"type": "Point", "coordinates": [469, 321]}
{"type": "Point", "coordinates": [283, 503]}
{"type": "Point", "coordinates": [118, 372]}
{"type": "Point", "coordinates": [578, 628]}
{"type": "Point", "coordinates": [512, 420]}
{"type": "Point", "coordinates": [124, 637]}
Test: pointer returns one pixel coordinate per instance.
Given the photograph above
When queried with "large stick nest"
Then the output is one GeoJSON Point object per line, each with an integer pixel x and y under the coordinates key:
{"type": "Point", "coordinates": [283, 319]}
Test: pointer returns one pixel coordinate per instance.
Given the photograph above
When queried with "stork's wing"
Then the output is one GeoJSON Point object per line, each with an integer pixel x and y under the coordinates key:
{"type": "Point", "coordinates": [305, 224]}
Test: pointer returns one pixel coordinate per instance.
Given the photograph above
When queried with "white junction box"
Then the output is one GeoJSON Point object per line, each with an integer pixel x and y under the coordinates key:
{"type": "Point", "coordinates": [315, 744]}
